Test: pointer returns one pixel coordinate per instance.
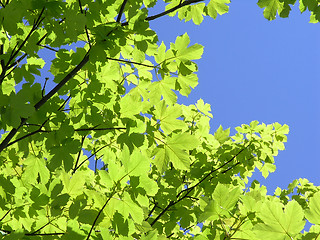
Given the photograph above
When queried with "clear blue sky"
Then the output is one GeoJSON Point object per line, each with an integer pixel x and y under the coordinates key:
{"type": "Point", "coordinates": [254, 69]}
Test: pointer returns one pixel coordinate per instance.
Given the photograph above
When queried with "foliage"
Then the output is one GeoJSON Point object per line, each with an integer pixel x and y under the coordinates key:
{"type": "Point", "coordinates": [113, 99]}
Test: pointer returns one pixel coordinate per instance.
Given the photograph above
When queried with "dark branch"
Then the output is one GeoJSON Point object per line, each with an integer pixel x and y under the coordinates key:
{"type": "Point", "coordinates": [171, 203]}
{"type": "Point", "coordinates": [76, 168]}
{"type": "Point", "coordinates": [43, 100]}
{"type": "Point", "coordinates": [44, 234]}
{"type": "Point", "coordinates": [5, 214]}
{"type": "Point", "coordinates": [76, 130]}
{"type": "Point", "coordinates": [151, 211]}
{"type": "Point", "coordinates": [101, 210]}
{"type": "Point", "coordinates": [189, 190]}
{"type": "Point", "coordinates": [130, 62]}
{"type": "Point", "coordinates": [121, 10]}
{"type": "Point", "coordinates": [180, 5]}
{"type": "Point", "coordinates": [79, 154]}
{"type": "Point", "coordinates": [15, 52]}
{"type": "Point", "coordinates": [63, 82]}
{"type": "Point", "coordinates": [11, 134]}
{"type": "Point", "coordinates": [25, 136]}
{"type": "Point", "coordinates": [50, 48]}
{"type": "Point", "coordinates": [80, 6]}
{"type": "Point", "coordinates": [211, 172]}
{"type": "Point", "coordinates": [44, 87]}
{"type": "Point", "coordinates": [99, 129]}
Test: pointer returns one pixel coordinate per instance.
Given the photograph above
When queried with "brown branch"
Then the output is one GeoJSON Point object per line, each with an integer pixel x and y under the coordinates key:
{"type": "Point", "coordinates": [79, 154]}
{"type": "Point", "coordinates": [76, 168]}
{"type": "Point", "coordinates": [130, 62]}
{"type": "Point", "coordinates": [5, 214]}
{"type": "Point", "coordinates": [63, 82]}
{"type": "Point", "coordinates": [188, 190]}
{"type": "Point", "coordinates": [80, 6]}
{"type": "Point", "coordinates": [99, 129]}
{"type": "Point", "coordinates": [15, 52]}
{"type": "Point", "coordinates": [100, 211]}
{"type": "Point", "coordinates": [48, 131]}
{"type": "Point", "coordinates": [121, 10]}
{"type": "Point", "coordinates": [44, 99]}
{"type": "Point", "coordinates": [44, 234]}
{"type": "Point", "coordinates": [180, 5]}
{"type": "Point", "coordinates": [25, 136]}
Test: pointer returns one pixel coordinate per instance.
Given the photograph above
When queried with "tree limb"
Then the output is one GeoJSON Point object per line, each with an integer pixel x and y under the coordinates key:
{"type": "Point", "coordinates": [15, 52]}
{"type": "Point", "coordinates": [121, 10]}
{"type": "Point", "coordinates": [188, 190]}
{"type": "Point", "coordinates": [180, 5]}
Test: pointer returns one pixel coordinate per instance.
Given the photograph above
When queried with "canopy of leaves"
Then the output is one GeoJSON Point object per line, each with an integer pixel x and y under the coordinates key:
{"type": "Point", "coordinates": [111, 100]}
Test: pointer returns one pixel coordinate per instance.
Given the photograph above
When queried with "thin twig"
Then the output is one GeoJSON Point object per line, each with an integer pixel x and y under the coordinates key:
{"type": "Point", "coordinates": [121, 10]}
{"type": "Point", "coordinates": [79, 154]}
{"type": "Point", "coordinates": [47, 47]}
{"type": "Point", "coordinates": [130, 62]}
{"type": "Point", "coordinates": [14, 53]}
{"type": "Point", "coordinates": [180, 5]}
{"type": "Point", "coordinates": [103, 207]}
{"type": "Point", "coordinates": [188, 190]}
{"type": "Point", "coordinates": [44, 86]}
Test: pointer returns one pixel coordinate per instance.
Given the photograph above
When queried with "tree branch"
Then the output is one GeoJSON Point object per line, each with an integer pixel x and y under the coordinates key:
{"type": "Point", "coordinates": [79, 153]}
{"type": "Point", "coordinates": [80, 6]}
{"type": "Point", "coordinates": [180, 5]}
{"type": "Point", "coordinates": [212, 171]}
{"type": "Point", "coordinates": [188, 190]}
{"type": "Point", "coordinates": [5, 214]}
{"type": "Point", "coordinates": [131, 62]}
{"type": "Point", "coordinates": [99, 213]}
{"type": "Point", "coordinates": [63, 82]}
{"type": "Point", "coordinates": [15, 52]}
{"type": "Point", "coordinates": [43, 100]}
{"type": "Point", "coordinates": [77, 167]}
{"type": "Point", "coordinates": [99, 129]}
{"type": "Point", "coordinates": [121, 10]}
{"type": "Point", "coordinates": [76, 130]}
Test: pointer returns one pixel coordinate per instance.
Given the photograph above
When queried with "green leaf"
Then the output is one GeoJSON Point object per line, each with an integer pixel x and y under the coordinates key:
{"type": "Point", "coordinates": [313, 213]}
{"type": "Point", "coordinates": [271, 8]}
{"type": "Point", "coordinates": [137, 165]}
{"type": "Point", "coordinates": [168, 117]}
{"type": "Point", "coordinates": [216, 7]}
{"type": "Point", "coordinates": [307, 4]}
{"type": "Point", "coordinates": [222, 135]}
{"type": "Point", "coordinates": [224, 200]}
{"type": "Point", "coordinates": [127, 207]}
{"type": "Point", "coordinates": [89, 215]}
{"type": "Point", "coordinates": [187, 53]}
{"type": "Point", "coordinates": [280, 222]}
{"type": "Point", "coordinates": [174, 150]}
{"type": "Point", "coordinates": [160, 56]}
{"type": "Point", "coordinates": [35, 166]}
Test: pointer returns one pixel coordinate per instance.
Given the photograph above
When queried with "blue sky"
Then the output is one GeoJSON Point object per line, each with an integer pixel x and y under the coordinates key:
{"type": "Point", "coordinates": [254, 69]}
